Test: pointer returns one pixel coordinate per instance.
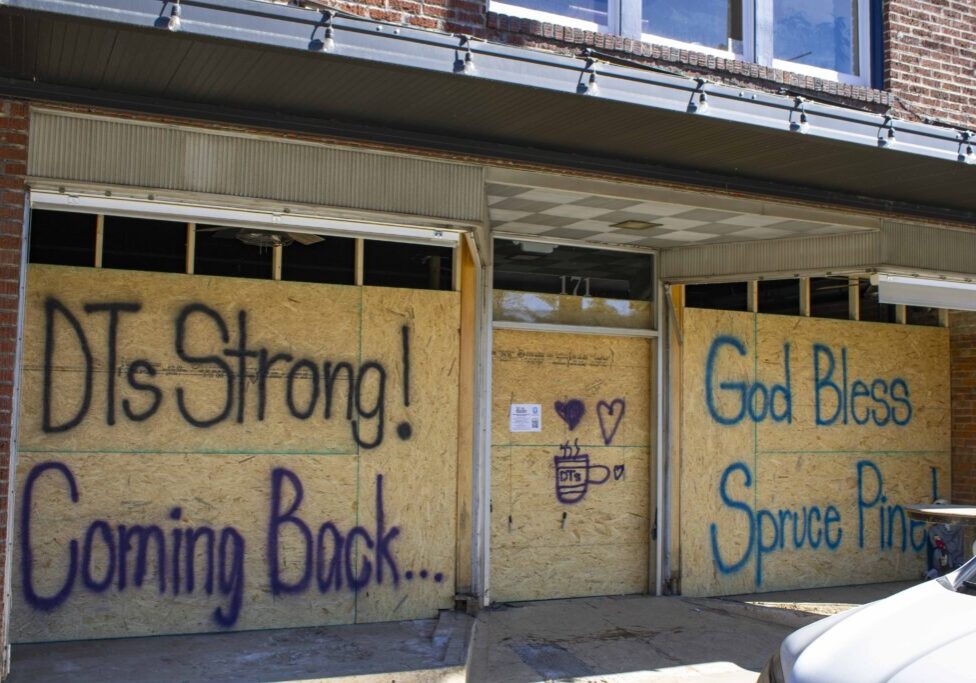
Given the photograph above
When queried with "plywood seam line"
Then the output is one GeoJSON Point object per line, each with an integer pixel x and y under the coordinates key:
{"type": "Point", "coordinates": [14, 441]}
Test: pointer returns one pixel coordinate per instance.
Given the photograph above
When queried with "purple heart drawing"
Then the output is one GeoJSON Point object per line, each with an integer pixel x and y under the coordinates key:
{"type": "Point", "coordinates": [604, 411]}
{"type": "Point", "coordinates": [571, 412]}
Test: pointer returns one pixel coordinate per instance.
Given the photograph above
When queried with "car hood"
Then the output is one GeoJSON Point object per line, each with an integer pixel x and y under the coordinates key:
{"type": "Point", "coordinates": [925, 633]}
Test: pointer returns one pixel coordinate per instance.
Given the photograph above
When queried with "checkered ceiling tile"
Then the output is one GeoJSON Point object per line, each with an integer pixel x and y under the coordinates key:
{"type": "Point", "coordinates": [591, 218]}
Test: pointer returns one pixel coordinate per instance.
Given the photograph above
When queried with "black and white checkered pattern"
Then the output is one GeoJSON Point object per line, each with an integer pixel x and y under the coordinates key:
{"type": "Point", "coordinates": [590, 218]}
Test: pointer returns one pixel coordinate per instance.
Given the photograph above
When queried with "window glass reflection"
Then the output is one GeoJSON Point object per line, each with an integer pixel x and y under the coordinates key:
{"type": "Point", "coordinates": [711, 23]}
{"type": "Point", "coordinates": [567, 285]}
{"type": "Point", "coordinates": [821, 33]}
{"type": "Point", "coordinates": [585, 10]}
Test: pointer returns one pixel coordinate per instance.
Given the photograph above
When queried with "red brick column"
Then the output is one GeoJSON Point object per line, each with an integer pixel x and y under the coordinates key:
{"type": "Point", "coordinates": [13, 168]}
{"type": "Point", "coordinates": [930, 57]}
{"type": "Point", "coordinates": [962, 341]}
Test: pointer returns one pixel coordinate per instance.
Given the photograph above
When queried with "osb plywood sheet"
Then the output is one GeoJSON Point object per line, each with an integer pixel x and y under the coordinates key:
{"type": "Point", "coordinates": [420, 474]}
{"type": "Point", "coordinates": [570, 502]}
{"type": "Point", "coordinates": [380, 487]}
{"type": "Point", "coordinates": [528, 514]}
{"type": "Point", "coordinates": [579, 372]}
{"type": "Point", "coordinates": [86, 586]}
{"type": "Point", "coordinates": [622, 570]}
{"type": "Point", "coordinates": [801, 483]}
{"type": "Point", "coordinates": [185, 340]}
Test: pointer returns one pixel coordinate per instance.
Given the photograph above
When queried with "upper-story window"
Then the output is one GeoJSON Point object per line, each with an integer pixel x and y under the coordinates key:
{"type": "Point", "coordinates": [828, 39]}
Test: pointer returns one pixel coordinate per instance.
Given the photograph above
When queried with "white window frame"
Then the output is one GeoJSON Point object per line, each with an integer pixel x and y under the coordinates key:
{"type": "Point", "coordinates": [624, 19]}
{"type": "Point", "coordinates": [613, 17]}
{"type": "Point", "coordinates": [748, 53]}
{"type": "Point", "coordinates": [864, 51]}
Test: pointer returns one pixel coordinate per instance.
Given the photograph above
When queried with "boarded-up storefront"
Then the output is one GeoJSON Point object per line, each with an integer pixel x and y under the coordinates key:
{"type": "Point", "coordinates": [801, 442]}
{"type": "Point", "coordinates": [200, 453]}
{"type": "Point", "coordinates": [570, 503]}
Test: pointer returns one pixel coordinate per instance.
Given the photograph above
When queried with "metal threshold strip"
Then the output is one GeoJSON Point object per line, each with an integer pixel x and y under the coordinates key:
{"type": "Point", "coordinates": [313, 31]}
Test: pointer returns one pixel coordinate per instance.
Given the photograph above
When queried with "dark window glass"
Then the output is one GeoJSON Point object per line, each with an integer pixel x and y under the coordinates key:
{"type": "Point", "coordinates": [138, 244]}
{"type": "Point", "coordinates": [918, 315]}
{"type": "Point", "coordinates": [234, 252]}
{"type": "Point", "coordinates": [712, 23]}
{"type": "Point", "coordinates": [66, 239]}
{"type": "Point", "coordinates": [829, 297]}
{"type": "Point", "coordinates": [871, 310]}
{"type": "Point", "coordinates": [725, 296]}
{"type": "Point", "coordinates": [781, 297]}
{"type": "Point", "coordinates": [331, 260]}
{"type": "Point", "coordinates": [415, 266]}
{"type": "Point", "coordinates": [578, 271]}
{"type": "Point", "coordinates": [820, 33]}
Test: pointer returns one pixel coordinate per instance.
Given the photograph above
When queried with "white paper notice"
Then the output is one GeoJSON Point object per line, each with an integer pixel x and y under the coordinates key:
{"type": "Point", "coordinates": [525, 417]}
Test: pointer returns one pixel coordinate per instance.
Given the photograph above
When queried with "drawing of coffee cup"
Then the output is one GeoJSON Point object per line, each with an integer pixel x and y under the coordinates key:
{"type": "Point", "coordinates": [574, 474]}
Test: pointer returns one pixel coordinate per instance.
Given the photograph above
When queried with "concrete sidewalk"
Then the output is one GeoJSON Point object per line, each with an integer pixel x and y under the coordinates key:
{"type": "Point", "coordinates": [620, 639]}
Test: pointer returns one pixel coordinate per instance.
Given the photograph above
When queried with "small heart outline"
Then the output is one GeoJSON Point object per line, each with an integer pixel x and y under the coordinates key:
{"type": "Point", "coordinates": [602, 409]}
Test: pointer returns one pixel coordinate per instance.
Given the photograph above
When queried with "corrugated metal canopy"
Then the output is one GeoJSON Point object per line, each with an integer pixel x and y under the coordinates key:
{"type": "Point", "coordinates": [239, 56]}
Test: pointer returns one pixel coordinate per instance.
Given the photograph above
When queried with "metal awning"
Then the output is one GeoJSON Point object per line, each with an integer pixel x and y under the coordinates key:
{"type": "Point", "coordinates": [263, 64]}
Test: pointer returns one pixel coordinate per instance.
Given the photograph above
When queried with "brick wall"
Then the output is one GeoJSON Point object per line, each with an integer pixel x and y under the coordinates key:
{"type": "Point", "coordinates": [930, 57]}
{"type": "Point", "coordinates": [963, 371]}
{"type": "Point", "coordinates": [449, 16]}
{"type": "Point", "coordinates": [13, 168]}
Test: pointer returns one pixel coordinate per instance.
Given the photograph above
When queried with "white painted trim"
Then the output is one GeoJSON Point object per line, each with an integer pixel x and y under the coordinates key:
{"type": "Point", "coordinates": [244, 218]}
{"type": "Point", "coordinates": [14, 439]}
{"type": "Point", "coordinates": [486, 417]}
{"type": "Point", "coordinates": [864, 52]}
{"type": "Point", "coordinates": [573, 243]}
{"type": "Point", "coordinates": [551, 17]}
{"type": "Point", "coordinates": [655, 39]}
{"type": "Point", "coordinates": [661, 453]}
{"type": "Point", "coordinates": [574, 329]}
{"type": "Point", "coordinates": [748, 53]}
{"type": "Point", "coordinates": [825, 74]}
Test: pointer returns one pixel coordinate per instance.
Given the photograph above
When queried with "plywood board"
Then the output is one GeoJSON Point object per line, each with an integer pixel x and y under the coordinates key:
{"type": "Point", "coordinates": [802, 440]}
{"type": "Point", "coordinates": [570, 502]}
{"type": "Point", "coordinates": [379, 481]}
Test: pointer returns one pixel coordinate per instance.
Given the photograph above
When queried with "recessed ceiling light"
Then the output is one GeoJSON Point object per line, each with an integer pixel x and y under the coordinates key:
{"type": "Point", "coordinates": [635, 225]}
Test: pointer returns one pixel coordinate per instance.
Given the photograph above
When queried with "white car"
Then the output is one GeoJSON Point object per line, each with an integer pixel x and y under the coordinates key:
{"type": "Point", "coordinates": [922, 634]}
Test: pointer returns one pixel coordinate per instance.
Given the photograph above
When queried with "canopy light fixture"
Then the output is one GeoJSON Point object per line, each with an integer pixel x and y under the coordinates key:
{"type": "Point", "coordinates": [635, 225]}
{"type": "Point", "coordinates": [541, 248]}
{"type": "Point", "coordinates": [925, 291]}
